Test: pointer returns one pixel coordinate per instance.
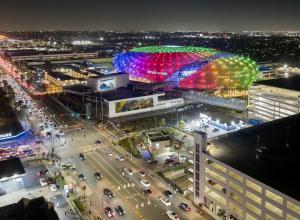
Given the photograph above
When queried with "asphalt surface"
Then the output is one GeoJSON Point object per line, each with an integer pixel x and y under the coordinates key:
{"type": "Point", "coordinates": [127, 188]}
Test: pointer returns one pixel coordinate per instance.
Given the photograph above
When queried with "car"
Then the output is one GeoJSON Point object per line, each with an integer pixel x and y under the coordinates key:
{"type": "Point", "coordinates": [42, 172]}
{"type": "Point", "coordinates": [128, 171]}
{"type": "Point", "coordinates": [98, 175]}
{"type": "Point", "coordinates": [153, 161]}
{"type": "Point", "coordinates": [109, 154]}
{"type": "Point", "coordinates": [168, 193]}
{"type": "Point", "coordinates": [2, 192]}
{"type": "Point", "coordinates": [66, 166]}
{"type": "Point", "coordinates": [50, 180]}
{"type": "Point", "coordinates": [98, 142]}
{"type": "Point", "coordinates": [109, 212]}
{"type": "Point", "coordinates": [172, 215]}
{"type": "Point", "coordinates": [142, 173]}
{"type": "Point", "coordinates": [81, 156]}
{"type": "Point", "coordinates": [216, 130]}
{"type": "Point", "coordinates": [108, 193]}
{"type": "Point", "coordinates": [176, 163]}
{"type": "Point", "coordinates": [169, 161]}
{"type": "Point", "coordinates": [53, 187]}
{"type": "Point", "coordinates": [81, 129]}
{"type": "Point", "coordinates": [145, 183]}
{"type": "Point", "coordinates": [166, 201]}
{"type": "Point", "coordinates": [61, 133]}
{"type": "Point", "coordinates": [120, 158]}
{"type": "Point", "coordinates": [184, 206]}
{"type": "Point", "coordinates": [172, 156]}
{"type": "Point", "coordinates": [81, 177]}
{"type": "Point", "coordinates": [147, 191]}
{"type": "Point", "coordinates": [182, 158]}
{"type": "Point", "coordinates": [120, 210]}
{"type": "Point", "coordinates": [43, 182]}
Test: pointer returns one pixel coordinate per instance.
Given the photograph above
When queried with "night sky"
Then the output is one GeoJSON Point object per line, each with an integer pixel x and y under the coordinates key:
{"type": "Point", "coordinates": [166, 15]}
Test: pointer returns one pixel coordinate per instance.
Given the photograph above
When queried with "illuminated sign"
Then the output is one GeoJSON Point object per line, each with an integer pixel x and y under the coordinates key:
{"type": "Point", "coordinates": [6, 135]}
{"type": "Point", "coordinates": [136, 104]}
{"type": "Point", "coordinates": [107, 84]}
{"type": "Point", "coordinates": [157, 73]}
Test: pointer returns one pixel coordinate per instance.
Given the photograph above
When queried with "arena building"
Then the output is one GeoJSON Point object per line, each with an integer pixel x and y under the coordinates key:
{"type": "Point", "coordinates": [188, 67]}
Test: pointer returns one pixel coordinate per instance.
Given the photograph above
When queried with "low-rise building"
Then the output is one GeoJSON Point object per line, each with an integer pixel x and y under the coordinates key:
{"type": "Point", "coordinates": [157, 141]}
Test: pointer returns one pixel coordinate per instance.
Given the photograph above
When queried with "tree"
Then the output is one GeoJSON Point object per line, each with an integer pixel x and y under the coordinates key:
{"type": "Point", "coordinates": [162, 122]}
{"type": "Point", "coordinates": [181, 124]}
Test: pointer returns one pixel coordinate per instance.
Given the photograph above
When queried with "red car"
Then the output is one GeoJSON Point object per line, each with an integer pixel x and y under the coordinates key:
{"type": "Point", "coordinates": [109, 212]}
{"type": "Point", "coordinates": [42, 172]}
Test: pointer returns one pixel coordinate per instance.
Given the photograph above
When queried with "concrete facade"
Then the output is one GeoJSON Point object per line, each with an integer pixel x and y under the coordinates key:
{"type": "Point", "coordinates": [226, 193]}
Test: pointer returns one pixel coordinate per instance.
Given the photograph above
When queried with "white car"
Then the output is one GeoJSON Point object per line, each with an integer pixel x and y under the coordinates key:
{"type": "Point", "coordinates": [145, 183]}
{"type": "Point", "coordinates": [182, 158]}
{"type": "Point", "coordinates": [120, 158]}
{"type": "Point", "coordinates": [142, 173]}
{"type": "Point", "coordinates": [128, 171]}
{"type": "Point", "coordinates": [172, 215]}
{"type": "Point", "coordinates": [166, 201]}
{"type": "Point", "coordinates": [43, 182]}
{"type": "Point", "coordinates": [109, 154]}
{"type": "Point", "coordinates": [53, 187]}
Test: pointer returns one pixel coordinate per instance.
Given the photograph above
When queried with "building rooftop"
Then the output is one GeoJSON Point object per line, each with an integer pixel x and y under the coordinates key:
{"type": "Point", "coordinates": [11, 167]}
{"type": "Point", "coordinates": [291, 83]}
{"type": "Point", "coordinates": [61, 76]}
{"type": "Point", "coordinates": [278, 163]}
{"type": "Point", "coordinates": [121, 93]}
{"type": "Point", "coordinates": [33, 52]}
{"type": "Point", "coordinates": [37, 208]}
{"type": "Point", "coordinates": [110, 95]}
{"type": "Point", "coordinates": [100, 74]}
{"type": "Point", "coordinates": [8, 119]}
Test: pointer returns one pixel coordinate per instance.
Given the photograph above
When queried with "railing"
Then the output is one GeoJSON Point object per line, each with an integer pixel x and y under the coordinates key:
{"type": "Point", "coordinates": [203, 97]}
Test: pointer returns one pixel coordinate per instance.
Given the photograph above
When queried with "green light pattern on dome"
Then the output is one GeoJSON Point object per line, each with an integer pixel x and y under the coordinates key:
{"type": "Point", "coordinates": [173, 49]}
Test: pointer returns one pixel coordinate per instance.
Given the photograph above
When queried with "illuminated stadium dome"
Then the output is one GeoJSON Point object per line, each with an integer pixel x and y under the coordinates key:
{"type": "Point", "coordinates": [189, 67]}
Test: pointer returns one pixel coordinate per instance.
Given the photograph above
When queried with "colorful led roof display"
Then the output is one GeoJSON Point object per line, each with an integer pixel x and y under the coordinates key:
{"type": "Point", "coordinates": [189, 67]}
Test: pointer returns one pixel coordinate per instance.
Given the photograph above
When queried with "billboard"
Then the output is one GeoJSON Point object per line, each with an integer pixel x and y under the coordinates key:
{"type": "Point", "coordinates": [107, 84]}
{"type": "Point", "coordinates": [135, 104]}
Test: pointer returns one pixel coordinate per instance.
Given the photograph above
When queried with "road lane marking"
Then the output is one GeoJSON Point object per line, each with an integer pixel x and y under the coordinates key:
{"type": "Point", "coordinates": [100, 156]}
{"type": "Point", "coordinates": [95, 159]}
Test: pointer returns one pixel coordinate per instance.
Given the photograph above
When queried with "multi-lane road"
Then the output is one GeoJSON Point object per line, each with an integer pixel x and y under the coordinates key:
{"type": "Point", "coordinates": [127, 188]}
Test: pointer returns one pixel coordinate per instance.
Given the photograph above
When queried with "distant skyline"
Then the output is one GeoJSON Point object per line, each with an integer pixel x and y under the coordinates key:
{"type": "Point", "coordinates": [151, 15]}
